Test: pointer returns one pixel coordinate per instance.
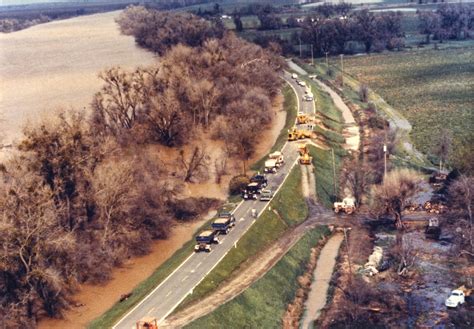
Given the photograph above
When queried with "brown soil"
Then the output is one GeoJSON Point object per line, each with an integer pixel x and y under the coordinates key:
{"type": "Point", "coordinates": [98, 298]}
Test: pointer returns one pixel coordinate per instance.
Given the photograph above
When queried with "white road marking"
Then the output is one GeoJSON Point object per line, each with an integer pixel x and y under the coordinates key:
{"type": "Point", "coordinates": [198, 265]}
{"type": "Point", "coordinates": [151, 310]}
{"type": "Point", "coordinates": [185, 278]}
{"type": "Point", "coordinates": [169, 293]}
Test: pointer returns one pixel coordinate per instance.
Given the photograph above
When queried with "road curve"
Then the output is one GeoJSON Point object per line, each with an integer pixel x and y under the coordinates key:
{"type": "Point", "coordinates": [179, 284]}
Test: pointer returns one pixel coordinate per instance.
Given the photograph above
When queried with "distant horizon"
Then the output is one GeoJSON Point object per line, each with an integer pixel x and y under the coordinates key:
{"type": "Point", "coordinates": [30, 2]}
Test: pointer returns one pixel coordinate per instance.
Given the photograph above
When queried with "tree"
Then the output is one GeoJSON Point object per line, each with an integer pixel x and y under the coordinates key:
{"type": "Point", "coordinates": [461, 196]}
{"type": "Point", "coordinates": [195, 165]}
{"type": "Point", "coordinates": [391, 197]}
{"type": "Point", "coordinates": [270, 22]}
{"type": "Point", "coordinates": [429, 23]}
{"type": "Point", "coordinates": [443, 147]}
{"type": "Point", "coordinates": [356, 177]}
{"type": "Point", "coordinates": [367, 28]}
{"type": "Point", "coordinates": [239, 27]}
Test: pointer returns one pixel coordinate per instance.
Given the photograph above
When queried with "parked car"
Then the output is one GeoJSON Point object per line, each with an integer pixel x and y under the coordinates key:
{"type": "Point", "coordinates": [455, 299]}
{"type": "Point", "coordinates": [294, 76]}
{"type": "Point", "coordinates": [266, 195]}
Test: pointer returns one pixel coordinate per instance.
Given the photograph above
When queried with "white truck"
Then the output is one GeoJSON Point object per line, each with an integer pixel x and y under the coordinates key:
{"type": "Point", "coordinates": [347, 205]}
{"type": "Point", "coordinates": [278, 156]}
{"type": "Point", "coordinates": [271, 166]}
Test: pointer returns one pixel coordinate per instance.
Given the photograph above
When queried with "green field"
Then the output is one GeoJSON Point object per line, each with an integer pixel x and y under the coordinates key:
{"type": "Point", "coordinates": [433, 89]}
{"type": "Point", "coordinates": [263, 304]}
{"type": "Point", "coordinates": [288, 209]}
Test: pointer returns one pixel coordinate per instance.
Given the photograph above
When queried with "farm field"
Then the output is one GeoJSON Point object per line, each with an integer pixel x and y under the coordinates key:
{"type": "Point", "coordinates": [432, 88]}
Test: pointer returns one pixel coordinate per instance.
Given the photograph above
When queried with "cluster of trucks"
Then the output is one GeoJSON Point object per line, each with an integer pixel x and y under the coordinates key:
{"type": "Point", "coordinates": [221, 225]}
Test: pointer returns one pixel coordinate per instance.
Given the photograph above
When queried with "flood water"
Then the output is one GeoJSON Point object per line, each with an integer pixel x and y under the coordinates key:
{"type": "Point", "coordinates": [56, 65]}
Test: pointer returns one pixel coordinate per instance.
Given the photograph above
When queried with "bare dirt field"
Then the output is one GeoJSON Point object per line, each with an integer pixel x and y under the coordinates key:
{"type": "Point", "coordinates": [55, 65]}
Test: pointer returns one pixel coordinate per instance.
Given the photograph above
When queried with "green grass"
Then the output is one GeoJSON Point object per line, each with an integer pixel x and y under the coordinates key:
{"type": "Point", "coordinates": [291, 109]}
{"type": "Point", "coordinates": [263, 304]}
{"type": "Point", "coordinates": [288, 209]}
{"type": "Point", "coordinates": [433, 89]}
{"type": "Point", "coordinates": [322, 161]}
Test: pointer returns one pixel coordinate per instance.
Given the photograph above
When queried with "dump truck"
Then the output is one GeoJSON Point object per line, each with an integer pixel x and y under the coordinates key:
{"type": "Point", "coordinates": [226, 214]}
{"type": "Point", "coordinates": [432, 230]}
{"type": "Point", "coordinates": [205, 239]}
{"type": "Point", "coordinates": [223, 225]}
{"type": "Point", "coordinates": [278, 156]}
{"type": "Point", "coordinates": [295, 134]}
{"type": "Point", "coordinates": [260, 179]}
{"type": "Point", "coordinates": [347, 205]}
{"type": "Point", "coordinates": [147, 322]}
{"type": "Point", "coordinates": [251, 191]}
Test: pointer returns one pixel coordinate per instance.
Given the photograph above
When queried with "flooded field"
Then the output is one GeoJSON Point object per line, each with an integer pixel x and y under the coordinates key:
{"type": "Point", "coordinates": [55, 65]}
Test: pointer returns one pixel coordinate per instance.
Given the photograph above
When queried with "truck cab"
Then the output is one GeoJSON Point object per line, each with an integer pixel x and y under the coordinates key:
{"type": "Point", "coordinates": [271, 166]}
{"type": "Point", "coordinates": [260, 179]}
{"type": "Point", "coordinates": [251, 191]}
{"type": "Point", "coordinates": [204, 240]}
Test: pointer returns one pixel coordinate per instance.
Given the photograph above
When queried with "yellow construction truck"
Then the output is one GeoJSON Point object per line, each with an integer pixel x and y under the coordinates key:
{"type": "Point", "coordinates": [295, 134]}
{"type": "Point", "coordinates": [305, 158]}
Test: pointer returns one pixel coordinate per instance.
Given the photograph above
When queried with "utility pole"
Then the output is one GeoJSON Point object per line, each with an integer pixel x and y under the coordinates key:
{"type": "Point", "coordinates": [334, 173]}
{"type": "Point", "coordinates": [348, 254]}
{"type": "Point", "coordinates": [342, 71]}
{"type": "Point", "coordinates": [300, 45]}
{"type": "Point", "coordinates": [384, 160]}
{"type": "Point", "coordinates": [327, 61]}
{"type": "Point", "coordinates": [312, 60]}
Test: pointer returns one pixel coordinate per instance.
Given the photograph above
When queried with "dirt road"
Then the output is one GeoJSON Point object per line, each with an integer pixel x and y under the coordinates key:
{"type": "Point", "coordinates": [322, 276]}
{"type": "Point", "coordinates": [351, 131]}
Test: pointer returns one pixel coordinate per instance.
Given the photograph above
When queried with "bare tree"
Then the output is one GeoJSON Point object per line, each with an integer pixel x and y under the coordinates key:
{"type": "Point", "coordinates": [356, 177]}
{"type": "Point", "coordinates": [195, 165]}
{"type": "Point", "coordinates": [363, 93]}
{"type": "Point", "coordinates": [461, 194]}
{"type": "Point", "coordinates": [443, 147]}
{"type": "Point", "coordinates": [391, 197]}
{"type": "Point", "coordinates": [406, 254]}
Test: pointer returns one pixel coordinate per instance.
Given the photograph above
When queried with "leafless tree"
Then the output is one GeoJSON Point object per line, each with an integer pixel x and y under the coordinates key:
{"type": "Point", "coordinates": [363, 93]}
{"type": "Point", "coordinates": [443, 147]}
{"type": "Point", "coordinates": [391, 197]}
{"type": "Point", "coordinates": [195, 165]}
{"type": "Point", "coordinates": [406, 254]}
{"type": "Point", "coordinates": [461, 194]}
{"type": "Point", "coordinates": [356, 177]}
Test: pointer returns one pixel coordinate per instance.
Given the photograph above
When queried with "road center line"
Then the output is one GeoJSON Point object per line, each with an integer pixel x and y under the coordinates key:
{"type": "Point", "coordinates": [185, 278]}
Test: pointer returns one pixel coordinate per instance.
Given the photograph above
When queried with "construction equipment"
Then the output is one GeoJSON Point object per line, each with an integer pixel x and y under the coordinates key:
{"type": "Point", "coordinates": [432, 230]}
{"type": "Point", "coordinates": [305, 158]}
{"type": "Point", "coordinates": [205, 239]}
{"type": "Point", "coordinates": [347, 205]}
{"type": "Point", "coordinates": [147, 322]}
{"type": "Point", "coordinates": [295, 134]}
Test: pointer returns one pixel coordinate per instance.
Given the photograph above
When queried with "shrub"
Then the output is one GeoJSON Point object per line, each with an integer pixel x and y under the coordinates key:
{"type": "Point", "coordinates": [237, 183]}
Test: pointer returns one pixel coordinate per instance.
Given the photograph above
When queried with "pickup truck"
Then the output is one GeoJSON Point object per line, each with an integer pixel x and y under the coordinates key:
{"type": "Point", "coordinates": [260, 179]}
{"type": "Point", "coordinates": [266, 195]}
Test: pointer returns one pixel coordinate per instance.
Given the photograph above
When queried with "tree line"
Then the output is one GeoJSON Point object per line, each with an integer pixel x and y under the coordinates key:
{"type": "Point", "coordinates": [83, 193]}
{"type": "Point", "coordinates": [448, 22]}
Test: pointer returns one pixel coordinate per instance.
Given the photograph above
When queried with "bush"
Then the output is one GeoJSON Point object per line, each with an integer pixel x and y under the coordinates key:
{"type": "Point", "coordinates": [237, 183]}
{"type": "Point", "coordinates": [191, 208]}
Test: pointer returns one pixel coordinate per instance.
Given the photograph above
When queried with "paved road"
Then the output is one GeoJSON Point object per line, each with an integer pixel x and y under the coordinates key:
{"type": "Point", "coordinates": [171, 292]}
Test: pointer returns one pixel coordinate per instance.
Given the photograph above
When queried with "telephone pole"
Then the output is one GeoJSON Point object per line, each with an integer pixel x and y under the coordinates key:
{"type": "Point", "coordinates": [312, 60]}
{"type": "Point", "coordinates": [342, 71]}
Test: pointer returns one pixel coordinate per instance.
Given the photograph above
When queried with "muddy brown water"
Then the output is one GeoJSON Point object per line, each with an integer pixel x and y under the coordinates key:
{"type": "Point", "coordinates": [55, 65]}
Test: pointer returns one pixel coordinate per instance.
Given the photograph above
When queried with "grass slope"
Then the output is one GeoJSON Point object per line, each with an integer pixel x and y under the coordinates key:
{"type": "Point", "coordinates": [263, 304]}
{"type": "Point", "coordinates": [288, 209]}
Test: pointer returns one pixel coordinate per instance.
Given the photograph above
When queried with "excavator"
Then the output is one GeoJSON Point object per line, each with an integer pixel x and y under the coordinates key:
{"type": "Point", "coordinates": [147, 322]}
{"type": "Point", "coordinates": [295, 134]}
